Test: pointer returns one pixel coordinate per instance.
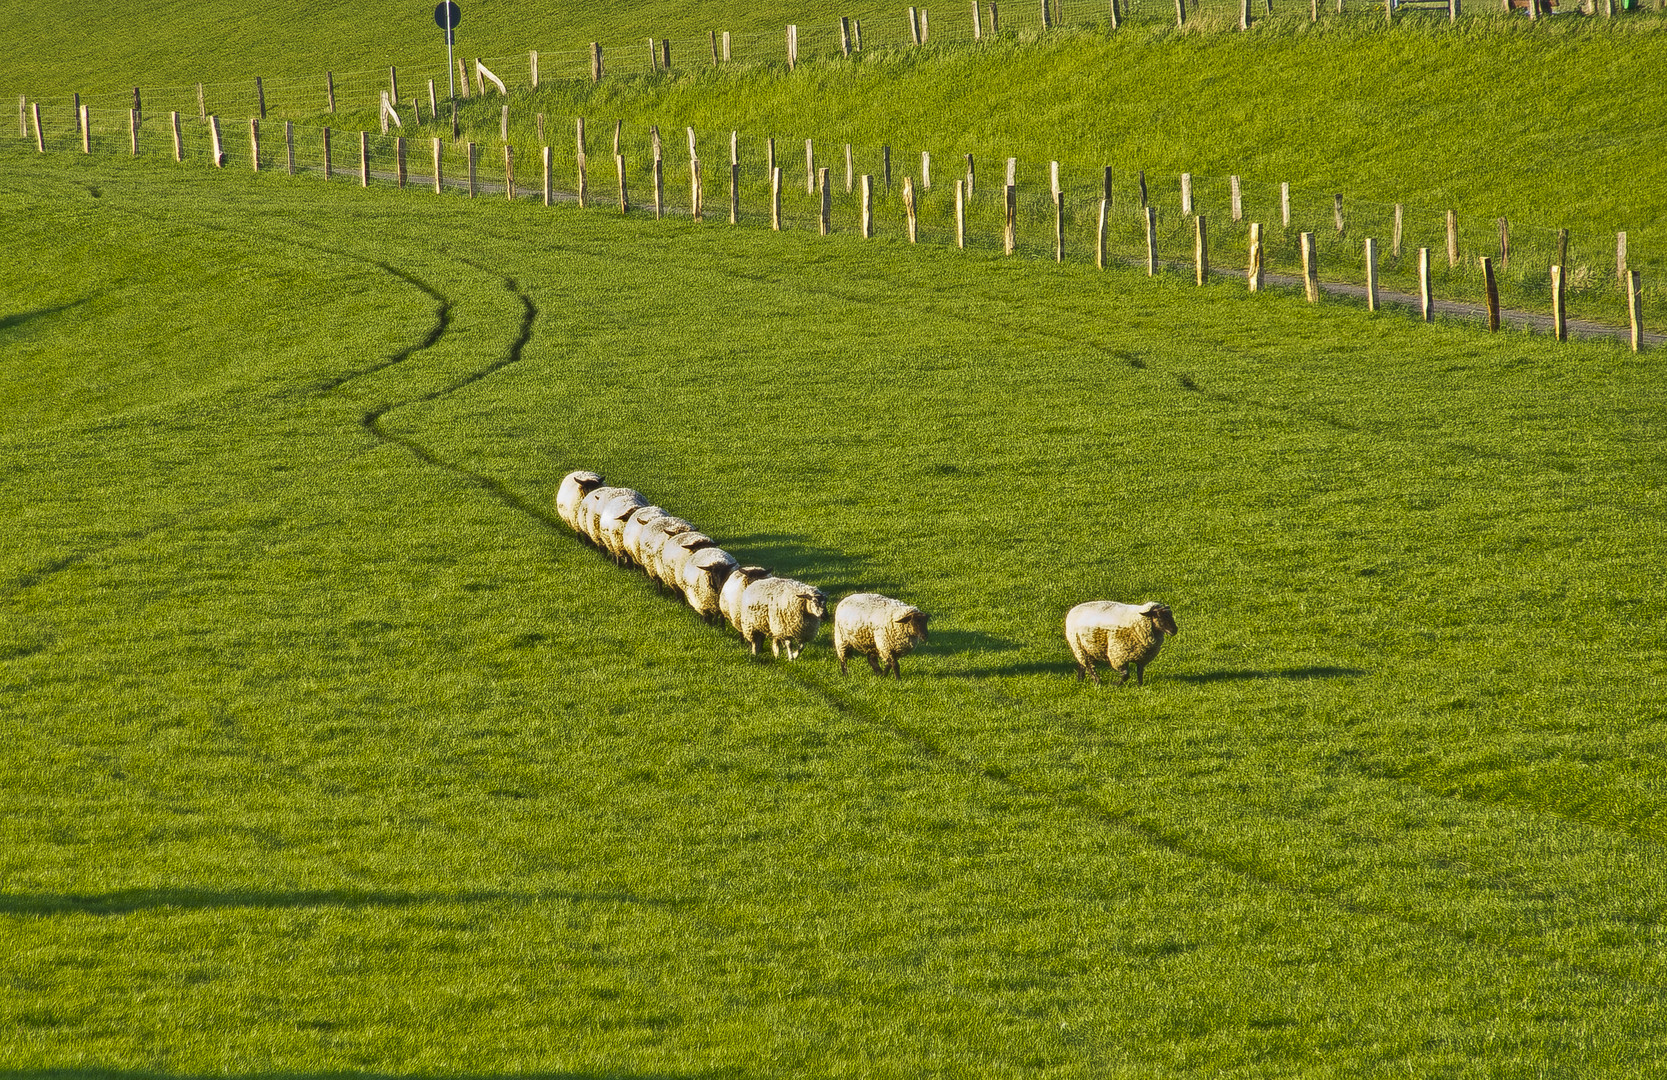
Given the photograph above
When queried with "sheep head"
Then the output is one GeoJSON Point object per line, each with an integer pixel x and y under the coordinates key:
{"type": "Point", "coordinates": [1161, 616]}
{"type": "Point", "coordinates": [815, 603]}
{"type": "Point", "coordinates": [915, 620]}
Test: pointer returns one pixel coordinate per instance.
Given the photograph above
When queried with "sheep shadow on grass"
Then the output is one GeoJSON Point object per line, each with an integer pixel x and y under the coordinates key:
{"type": "Point", "coordinates": [788, 555]}
{"type": "Point", "coordinates": [126, 901]}
{"type": "Point", "coordinates": [1301, 674]}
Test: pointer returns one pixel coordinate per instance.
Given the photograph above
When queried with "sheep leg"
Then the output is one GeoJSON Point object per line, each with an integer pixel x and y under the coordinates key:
{"type": "Point", "coordinates": [872, 666]}
{"type": "Point", "coordinates": [1140, 674]}
{"type": "Point", "coordinates": [842, 664]}
{"type": "Point", "coordinates": [775, 648]}
{"type": "Point", "coordinates": [1087, 665]}
{"type": "Point", "coordinates": [1125, 679]}
{"type": "Point", "coordinates": [896, 671]}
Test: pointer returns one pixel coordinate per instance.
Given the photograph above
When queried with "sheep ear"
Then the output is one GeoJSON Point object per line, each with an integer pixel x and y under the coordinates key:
{"type": "Point", "coordinates": [907, 615]}
{"type": "Point", "coordinates": [1150, 607]}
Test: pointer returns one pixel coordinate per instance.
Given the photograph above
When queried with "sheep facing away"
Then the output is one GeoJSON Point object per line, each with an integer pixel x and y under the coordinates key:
{"type": "Point", "coordinates": [574, 487]}
{"type": "Point", "coordinates": [1121, 635]}
{"type": "Point", "coordinates": [704, 575]}
{"type": "Point", "coordinates": [880, 628]}
{"type": "Point", "coordinates": [789, 611]}
{"type": "Point", "coordinates": [729, 601]}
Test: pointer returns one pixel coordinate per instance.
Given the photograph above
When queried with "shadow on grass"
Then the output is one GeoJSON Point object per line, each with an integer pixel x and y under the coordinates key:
{"type": "Point", "coordinates": [1301, 674]}
{"type": "Point", "coordinates": [142, 1074]}
{"type": "Point", "coordinates": [788, 555]}
{"type": "Point", "coordinates": [128, 901]}
{"type": "Point", "coordinates": [9, 322]}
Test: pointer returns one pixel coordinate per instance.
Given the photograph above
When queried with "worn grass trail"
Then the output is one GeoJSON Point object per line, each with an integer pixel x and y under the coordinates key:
{"type": "Point", "coordinates": [329, 752]}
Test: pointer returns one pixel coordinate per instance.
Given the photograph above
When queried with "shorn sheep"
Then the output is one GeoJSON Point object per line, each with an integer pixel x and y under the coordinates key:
{"type": "Point", "coordinates": [878, 627]}
{"type": "Point", "coordinates": [789, 612]}
{"type": "Point", "coordinates": [1121, 635]}
{"type": "Point", "coordinates": [574, 487]}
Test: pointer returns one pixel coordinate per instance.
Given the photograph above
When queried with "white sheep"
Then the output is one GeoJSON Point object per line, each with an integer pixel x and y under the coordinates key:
{"type": "Point", "coordinates": [1118, 634]}
{"type": "Point", "coordinates": [704, 575]}
{"type": "Point", "coordinates": [789, 611]}
{"type": "Point", "coordinates": [636, 528]}
{"type": "Point", "coordinates": [668, 569]}
{"type": "Point", "coordinates": [574, 487]}
{"type": "Point", "coordinates": [878, 627]}
{"type": "Point", "coordinates": [655, 534]}
{"type": "Point", "coordinates": [590, 509]}
{"type": "Point", "coordinates": [729, 601]}
{"type": "Point", "coordinates": [611, 519]}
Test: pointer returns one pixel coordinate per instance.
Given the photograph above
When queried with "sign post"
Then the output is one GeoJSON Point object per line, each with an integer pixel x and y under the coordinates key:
{"type": "Point", "coordinates": [447, 15]}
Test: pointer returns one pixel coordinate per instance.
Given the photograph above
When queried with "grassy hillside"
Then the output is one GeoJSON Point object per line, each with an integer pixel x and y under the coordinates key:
{"type": "Point", "coordinates": [330, 753]}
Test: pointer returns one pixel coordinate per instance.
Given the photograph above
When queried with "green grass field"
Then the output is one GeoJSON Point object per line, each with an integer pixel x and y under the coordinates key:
{"type": "Point", "coordinates": [328, 753]}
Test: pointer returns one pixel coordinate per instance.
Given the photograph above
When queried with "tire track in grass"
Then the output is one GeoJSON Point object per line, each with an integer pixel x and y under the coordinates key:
{"type": "Point", "coordinates": [1172, 841]}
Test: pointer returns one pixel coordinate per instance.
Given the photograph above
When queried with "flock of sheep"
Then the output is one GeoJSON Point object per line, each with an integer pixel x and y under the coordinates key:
{"type": "Point", "coordinates": [679, 557]}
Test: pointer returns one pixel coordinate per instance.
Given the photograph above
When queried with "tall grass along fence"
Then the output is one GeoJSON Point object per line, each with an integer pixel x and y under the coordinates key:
{"type": "Point", "coordinates": [1269, 232]}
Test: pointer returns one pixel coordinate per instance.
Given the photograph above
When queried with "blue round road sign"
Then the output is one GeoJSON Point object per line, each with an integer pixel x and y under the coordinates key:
{"type": "Point", "coordinates": [448, 15]}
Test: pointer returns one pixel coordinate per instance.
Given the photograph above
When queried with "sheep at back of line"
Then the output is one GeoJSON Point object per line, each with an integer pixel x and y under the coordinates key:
{"type": "Point", "coordinates": [789, 612]}
{"type": "Point", "coordinates": [880, 628]}
{"type": "Point", "coordinates": [1120, 635]}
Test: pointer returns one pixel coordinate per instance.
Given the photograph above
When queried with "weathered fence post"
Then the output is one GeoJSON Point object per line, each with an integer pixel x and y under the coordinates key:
{"type": "Point", "coordinates": [1371, 274]}
{"type": "Point", "coordinates": [133, 131]}
{"type": "Point", "coordinates": [433, 101]}
{"type": "Point", "coordinates": [1490, 288]}
{"type": "Point", "coordinates": [364, 159]}
{"type": "Point", "coordinates": [726, 46]}
{"type": "Point", "coordinates": [850, 170]}
{"type": "Point", "coordinates": [549, 180]}
{"type": "Point", "coordinates": [1009, 234]}
{"type": "Point", "coordinates": [1310, 269]}
{"type": "Point", "coordinates": [1426, 301]}
{"type": "Point", "coordinates": [914, 28]}
{"type": "Point", "coordinates": [23, 116]}
{"type": "Point", "coordinates": [1105, 214]}
{"type": "Point", "coordinates": [1140, 178]}
{"type": "Point", "coordinates": [712, 40]}
{"type": "Point", "coordinates": [1559, 322]}
{"type": "Point", "coordinates": [1395, 241]}
{"type": "Point", "coordinates": [867, 205]}
{"type": "Point", "coordinates": [1504, 244]}
{"type": "Point", "coordinates": [775, 199]}
{"type": "Point", "coordinates": [624, 198]}
{"type": "Point", "coordinates": [1635, 308]}
{"type": "Point", "coordinates": [1238, 199]}
{"type": "Point", "coordinates": [1620, 237]}
{"type": "Point", "coordinates": [826, 221]}
{"type": "Point", "coordinates": [289, 145]}
{"type": "Point", "coordinates": [1337, 212]}
{"type": "Point", "coordinates": [399, 159]}
{"type": "Point", "coordinates": [1452, 238]}
{"type": "Point", "coordinates": [532, 62]}
{"type": "Point", "coordinates": [463, 78]}
{"type": "Point", "coordinates": [995, 19]}
{"type": "Point", "coordinates": [926, 170]}
{"type": "Point", "coordinates": [697, 194]}
{"type": "Point", "coordinates": [329, 165]}
{"type": "Point", "coordinates": [734, 177]}
{"type": "Point", "coordinates": [1180, 12]}
{"type": "Point", "coordinates": [977, 23]}
{"type": "Point", "coordinates": [595, 62]}
{"type": "Point", "coordinates": [971, 187]}
{"type": "Point", "coordinates": [1047, 16]}
{"type": "Point", "coordinates": [254, 144]}
{"type": "Point", "coordinates": [1151, 241]}
{"type": "Point", "coordinates": [810, 168]}
{"type": "Point", "coordinates": [40, 134]}
{"type": "Point", "coordinates": [1562, 247]}
{"type": "Point", "coordinates": [665, 53]}
{"type": "Point", "coordinates": [84, 118]}
{"type": "Point", "coordinates": [961, 209]}
{"type": "Point", "coordinates": [792, 47]}
{"type": "Point", "coordinates": [214, 134]}
{"type": "Point", "coordinates": [509, 172]}
{"type": "Point", "coordinates": [439, 178]}
{"type": "Point", "coordinates": [1012, 170]}
{"type": "Point", "coordinates": [1253, 271]}
{"type": "Point", "coordinates": [845, 35]}
{"type": "Point", "coordinates": [580, 161]}
{"type": "Point", "coordinates": [1186, 193]}
{"type": "Point", "coordinates": [909, 206]}
{"type": "Point", "coordinates": [1116, 16]}
{"type": "Point", "coordinates": [474, 162]}
{"type": "Point", "coordinates": [659, 188]}
{"type": "Point", "coordinates": [1201, 251]}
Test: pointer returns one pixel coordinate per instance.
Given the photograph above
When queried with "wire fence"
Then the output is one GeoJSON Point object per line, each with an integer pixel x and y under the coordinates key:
{"type": "Point", "coordinates": [1521, 255]}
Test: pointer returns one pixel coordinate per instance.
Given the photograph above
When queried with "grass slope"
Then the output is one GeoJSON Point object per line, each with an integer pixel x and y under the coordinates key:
{"type": "Point", "coordinates": [329, 753]}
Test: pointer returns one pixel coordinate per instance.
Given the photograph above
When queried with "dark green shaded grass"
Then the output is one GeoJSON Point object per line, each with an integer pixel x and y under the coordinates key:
{"type": "Point", "coordinates": [322, 740]}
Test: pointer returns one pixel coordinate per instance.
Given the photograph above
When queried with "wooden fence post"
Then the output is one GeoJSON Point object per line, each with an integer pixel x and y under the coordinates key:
{"type": "Point", "coordinates": [329, 165]}
{"type": "Point", "coordinates": [1452, 238]}
{"type": "Point", "coordinates": [810, 168]}
{"type": "Point", "coordinates": [1310, 269]}
{"type": "Point", "coordinates": [549, 180]}
{"type": "Point", "coordinates": [1058, 226]}
{"type": "Point", "coordinates": [827, 204]}
{"type": "Point", "coordinates": [1562, 247]}
{"type": "Point", "coordinates": [40, 135]}
{"type": "Point", "coordinates": [659, 188]}
{"type": "Point", "coordinates": [84, 119]}
{"type": "Point", "coordinates": [532, 62]}
{"type": "Point", "coordinates": [1186, 193]}
{"type": "Point", "coordinates": [697, 196]}
{"type": "Point", "coordinates": [433, 101]}
{"type": "Point", "coordinates": [726, 47]}
{"type": "Point", "coordinates": [1151, 241]}
{"type": "Point", "coordinates": [179, 141]}
{"type": "Point", "coordinates": [1285, 203]}
{"type": "Point", "coordinates": [1140, 178]}
{"type": "Point", "coordinates": [364, 159]}
{"type": "Point", "coordinates": [1371, 274]}
{"type": "Point", "coordinates": [1116, 16]}
{"type": "Point", "coordinates": [914, 28]}
{"type": "Point", "coordinates": [961, 210]}
{"type": "Point", "coordinates": [463, 78]}
{"type": "Point", "coordinates": [1505, 241]}
{"type": "Point", "coordinates": [393, 82]}
{"type": "Point", "coordinates": [1201, 252]}
{"type": "Point", "coordinates": [289, 145]}
{"type": "Point", "coordinates": [509, 172]}
{"type": "Point", "coordinates": [909, 206]}
{"type": "Point", "coordinates": [712, 40]}
{"type": "Point", "coordinates": [1426, 301]}
{"type": "Point", "coordinates": [1105, 214]}
{"type": "Point", "coordinates": [1337, 212]}
{"type": "Point", "coordinates": [254, 144]}
{"type": "Point", "coordinates": [595, 62]}
{"type": "Point", "coordinates": [214, 135]}
{"type": "Point", "coordinates": [1559, 322]}
{"type": "Point", "coordinates": [1012, 170]}
{"type": "Point", "coordinates": [977, 23]}
{"type": "Point", "coordinates": [1238, 198]}
{"type": "Point", "coordinates": [867, 205]}
{"type": "Point", "coordinates": [439, 178]}
{"type": "Point", "coordinates": [1635, 308]}
{"type": "Point", "coordinates": [1180, 12]}
{"type": "Point", "coordinates": [971, 186]}
{"type": "Point", "coordinates": [775, 199]}
{"type": "Point", "coordinates": [399, 161]}
{"type": "Point", "coordinates": [133, 131]}
{"type": "Point", "coordinates": [1395, 241]}
{"type": "Point", "coordinates": [1453, 10]}
{"type": "Point", "coordinates": [665, 53]}
{"type": "Point", "coordinates": [734, 177]}
{"type": "Point", "coordinates": [995, 19]}
{"type": "Point", "coordinates": [1253, 272]}
{"type": "Point", "coordinates": [926, 170]}
{"type": "Point", "coordinates": [474, 162]}
{"type": "Point", "coordinates": [1009, 236]}
{"type": "Point", "coordinates": [1491, 292]}
{"type": "Point", "coordinates": [23, 116]}
{"type": "Point", "coordinates": [850, 170]}
{"type": "Point", "coordinates": [624, 198]}
{"type": "Point", "coordinates": [1620, 237]}
{"type": "Point", "coordinates": [1047, 16]}
{"type": "Point", "coordinates": [792, 47]}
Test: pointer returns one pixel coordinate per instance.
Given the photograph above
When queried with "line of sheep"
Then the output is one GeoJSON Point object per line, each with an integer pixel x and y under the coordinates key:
{"type": "Point", "coordinates": [679, 557]}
